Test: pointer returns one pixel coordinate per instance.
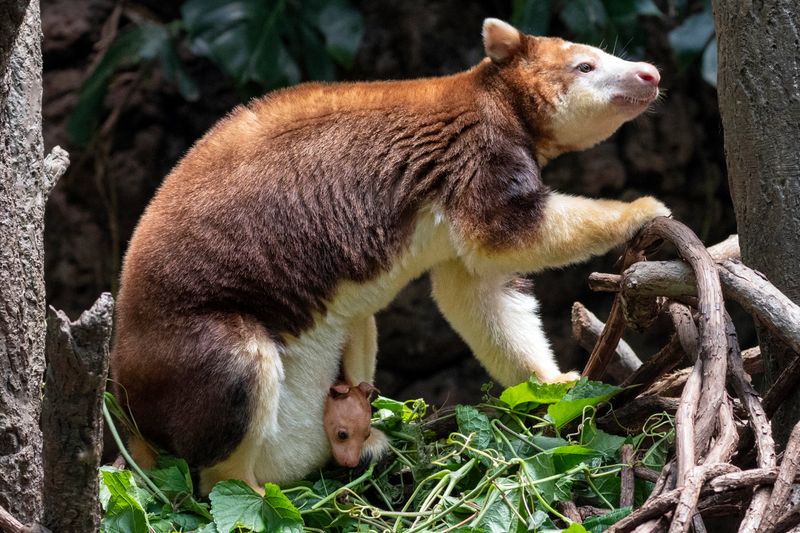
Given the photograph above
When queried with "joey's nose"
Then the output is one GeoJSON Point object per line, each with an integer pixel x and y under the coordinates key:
{"type": "Point", "coordinates": [648, 74]}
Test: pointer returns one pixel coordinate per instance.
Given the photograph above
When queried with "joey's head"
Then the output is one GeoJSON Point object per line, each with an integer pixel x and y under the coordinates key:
{"type": "Point", "coordinates": [572, 95]}
{"type": "Point", "coordinates": [347, 419]}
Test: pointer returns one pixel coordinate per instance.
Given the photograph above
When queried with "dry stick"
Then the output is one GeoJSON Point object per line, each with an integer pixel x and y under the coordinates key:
{"type": "Point", "coordinates": [653, 508]}
{"type": "Point", "coordinates": [716, 463]}
{"type": "Point", "coordinates": [684, 423]}
{"type": "Point", "coordinates": [570, 510]}
{"type": "Point", "coordinates": [626, 475]}
{"type": "Point", "coordinates": [615, 326]}
{"type": "Point", "coordinates": [683, 342]}
{"type": "Point", "coordinates": [742, 284]}
{"type": "Point", "coordinates": [586, 328]}
{"type": "Point", "coordinates": [672, 384]}
{"type": "Point", "coordinates": [632, 415]}
{"type": "Point", "coordinates": [662, 361]}
{"type": "Point", "coordinates": [759, 423]}
{"type": "Point", "coordinates": [789, 520]}
{"type": "Point", "coordinates": [761, 298]}
{"type": "Point", "coordinates": [645, 473]}
{"type": "Point", "coordinates": [783, 485]}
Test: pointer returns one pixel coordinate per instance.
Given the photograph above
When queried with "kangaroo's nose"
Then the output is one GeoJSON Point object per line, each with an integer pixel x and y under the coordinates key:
{"type": "Point", "coordinates": [648, 74]}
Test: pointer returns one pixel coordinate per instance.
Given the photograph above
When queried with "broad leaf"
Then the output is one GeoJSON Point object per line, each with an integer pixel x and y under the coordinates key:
{"type": "Point", "coordinates": [470, 420]}
{"type": "Point", "coordinates": [124, 511]}
{"type": "Point", "coordinates": [534, 392]}
{"type": "Point", "coordinates": [235, 505]}
{"type": "Point", "coordinates": [600, 441]}
{"type": "Point", "coordinates": [585, 394]}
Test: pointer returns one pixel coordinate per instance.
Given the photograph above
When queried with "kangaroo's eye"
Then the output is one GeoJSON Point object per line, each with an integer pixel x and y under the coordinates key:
{"type": "Point", "coordinates": [342, 435]}
{"type": "Point", "coordinates": [585, 67]}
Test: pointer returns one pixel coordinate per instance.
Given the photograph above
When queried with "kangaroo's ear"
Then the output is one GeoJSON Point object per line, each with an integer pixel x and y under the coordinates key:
{"type": "Point", "coordinates": [501, 40]}
{"type": "Point", "coordinates": [339, 389]}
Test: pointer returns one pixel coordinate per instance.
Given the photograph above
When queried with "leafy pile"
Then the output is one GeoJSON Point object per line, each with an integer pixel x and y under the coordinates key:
{"type": "Point", "coordinates": [506, 466]}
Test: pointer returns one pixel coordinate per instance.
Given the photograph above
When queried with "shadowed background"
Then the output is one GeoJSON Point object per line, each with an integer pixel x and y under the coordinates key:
{"type": "Point", "coordinates": [133, 112]}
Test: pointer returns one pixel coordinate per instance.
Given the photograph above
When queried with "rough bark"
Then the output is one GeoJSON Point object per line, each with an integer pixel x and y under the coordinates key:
{"type": "Point", "coordinates": [72, 423]}
{"type": "Point", "coordinates": [759, 101]}
{"type": "Point", "coordinates": [11, 14]}
{"type": "Point", "coordinates": [24, 185]}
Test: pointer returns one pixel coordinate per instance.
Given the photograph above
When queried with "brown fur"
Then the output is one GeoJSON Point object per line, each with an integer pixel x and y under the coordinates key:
{"type": "Point", "coordinates": [299, 191]}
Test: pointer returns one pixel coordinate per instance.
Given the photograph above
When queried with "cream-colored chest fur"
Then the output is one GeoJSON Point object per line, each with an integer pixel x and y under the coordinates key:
{"type": "Point", "coordinates": [300, 373]}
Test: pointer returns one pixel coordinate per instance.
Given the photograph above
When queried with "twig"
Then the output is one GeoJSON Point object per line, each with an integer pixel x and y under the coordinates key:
{"type": "Point", "coordinates": [586, 328]}
{"type": "Point", "coordinates": [690, 494]}
{"type": "Point", "coordinates": [648, 474]}
{"type": "Point", "coordinates": [672, 384]}
{"type": "Point", "coordinates": [659, 363]}
{"type": "Point", "coordinates": [626, 476]}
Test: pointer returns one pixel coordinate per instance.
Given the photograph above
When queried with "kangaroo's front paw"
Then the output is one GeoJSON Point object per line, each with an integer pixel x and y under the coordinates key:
{"type": "Point", "coordinates": [642, 211]}
{"type": "Point", "coordinates": [566, 377]}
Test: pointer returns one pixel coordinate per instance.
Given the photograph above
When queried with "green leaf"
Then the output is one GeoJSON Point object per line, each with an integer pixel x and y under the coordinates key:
{"type": "Point", "coordinates": [532, 16]}
{"type": "Point", "coordinates": [172, 476]}
{"type": "Point", "coordinates": [498, 516]}
{"type": "Point", "coordinates": [541, 466]}
{"type": "Point", "coordinates": [534, 392]}
{"type": "Point", "coordinates": [235, 505]}
{"type": "Point", "coordinates": [568, 457]}
{"type": "Point", "coordinates": [585, 394]}
{"type": "Point", "coordinates": [597, 524]}
{"type": "Point", "coordinates": [548, 443]}
{"type": "Point", "coordinates": [575, 528]}
{"type": "Point", "coordinates": [124, 509]}
{"type": "Point", "coordinates": [470, 420]}
{"type": "Point", "coordinates": [709, 65]}
{"type": "Point", "coordinates": [600, 441]}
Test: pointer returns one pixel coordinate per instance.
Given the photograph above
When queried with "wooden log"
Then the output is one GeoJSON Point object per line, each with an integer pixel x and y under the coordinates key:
{"type": "Point", "coordinates": [586, 329]}
{"type": "Point", "coordinates": [77, 357]}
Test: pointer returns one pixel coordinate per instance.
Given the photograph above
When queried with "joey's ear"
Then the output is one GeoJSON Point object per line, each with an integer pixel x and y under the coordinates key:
{"type": "Point", "coordinates": [340, 389]}
{"type": "Point", "coordinates": [367, 389]}
{"type": "Point", "coordinates": [501, 40]}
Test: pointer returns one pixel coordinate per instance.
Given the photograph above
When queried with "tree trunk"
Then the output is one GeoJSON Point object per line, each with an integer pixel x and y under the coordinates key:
{"type": "Point", "coordinates": [72, 416]}
{"type": "Point", "coordinates": [759, 98]}
{"type": "Point", "coordinates": [25, 181]}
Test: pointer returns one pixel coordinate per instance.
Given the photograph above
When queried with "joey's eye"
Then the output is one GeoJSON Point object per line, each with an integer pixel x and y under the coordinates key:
{"type": "Point", "coordinates": [342, 435]}
{"type": "Point", "coordinates": [585, 67]}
